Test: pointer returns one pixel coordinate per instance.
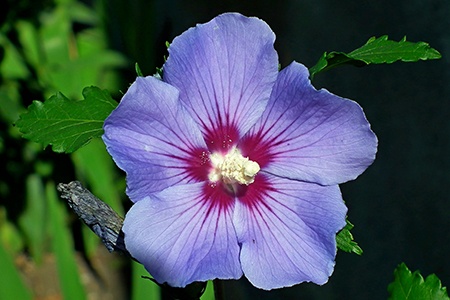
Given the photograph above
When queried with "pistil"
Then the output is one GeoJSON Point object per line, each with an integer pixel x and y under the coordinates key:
{"type": "Point", "coordinates": [233, 168]}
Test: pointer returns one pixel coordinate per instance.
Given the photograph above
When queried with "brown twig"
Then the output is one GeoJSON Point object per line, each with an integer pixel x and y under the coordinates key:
{"type": "Point", "coordinates": [107, 224]}
{"type": "Point", "coordinates": [96, 214]}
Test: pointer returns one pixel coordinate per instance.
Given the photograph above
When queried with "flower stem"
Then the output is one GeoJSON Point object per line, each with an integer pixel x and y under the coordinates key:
{"type": "Point", "coordinates": [218, 289]}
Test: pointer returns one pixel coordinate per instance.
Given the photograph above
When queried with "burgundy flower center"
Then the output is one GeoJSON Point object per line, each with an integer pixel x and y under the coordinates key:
{"type": "Point", "coordinates": [225, 169]}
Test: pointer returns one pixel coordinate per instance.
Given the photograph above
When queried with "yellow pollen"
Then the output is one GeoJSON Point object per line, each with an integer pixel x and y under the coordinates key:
{"type": "Point", "coordinates": [233, 168]}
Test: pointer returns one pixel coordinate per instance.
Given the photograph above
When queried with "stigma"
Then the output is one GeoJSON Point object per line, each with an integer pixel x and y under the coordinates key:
{"type": "Point", "coordinates": [233, 168]}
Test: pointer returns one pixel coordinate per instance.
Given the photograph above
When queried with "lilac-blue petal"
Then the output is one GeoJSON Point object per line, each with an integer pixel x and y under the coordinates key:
{"type": "Point", "coordinates": [180, 239]}
{"type": "Point", "coordinates": [225, 70]}
{"type": "Point", "coordinates": [151, 137]}
{"type": "Point", "coordinates": [290, 236]}
{"type": "Point", "coordinates": [313, 135]}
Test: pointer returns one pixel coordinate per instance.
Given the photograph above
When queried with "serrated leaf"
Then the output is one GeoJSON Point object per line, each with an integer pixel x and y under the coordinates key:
{"type": "Point", "coordinates": [411, 286]}
{"type": "Point", "coordinates": [377, 51]}
{"type": "Point", "coordinates": [67, 124]}
{"type": "Point", "coordinates": [345, 242]}
{"type": "Point", "coordinates": [382, 50]}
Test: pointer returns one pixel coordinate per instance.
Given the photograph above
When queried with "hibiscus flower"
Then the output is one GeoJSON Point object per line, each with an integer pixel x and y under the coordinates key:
{"type": "Point", "coordinates": [234, 166]}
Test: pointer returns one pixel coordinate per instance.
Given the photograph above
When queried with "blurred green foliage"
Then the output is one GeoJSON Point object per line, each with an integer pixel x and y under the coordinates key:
{"type": "Point", "coordinates": [49, 47]}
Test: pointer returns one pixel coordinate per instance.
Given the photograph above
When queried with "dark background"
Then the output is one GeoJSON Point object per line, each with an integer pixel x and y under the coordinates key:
{"type": "Point", "coordinates": [401, 205]}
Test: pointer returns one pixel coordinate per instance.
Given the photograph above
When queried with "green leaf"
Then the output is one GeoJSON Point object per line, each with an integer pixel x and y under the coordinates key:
{"type": "Point", "coordinates": [92, 64]}
{"type": "Point", "coordinates": [382, 50]}
{"type": "Point", "coordinates": [411, 286]}
{"type": "Point", "coordinates": [11, 283]}
{"type": "Point", "coordinates": [138, 70]}
{"type": "Point", "coordinates": [12, 64]}
{"type": "Point", "coordinates": [141, 288]}
{"type": "Point", "coordinates": [377, 51]}
{"type": "Point", "coordinates": [344, 240]}
{"type": "Point", "coordinates": [66, 124]}
{"type": "Point", "coordinates": [33, 220]}
{"type": "Point", "coordinates": [10, 236]}
{"type": "Point", "coordinates": [63, 247]}
{"type": "Point", "coordinates": [95, 167]}
{"type": "Point", "coordinates": [30, 42]}
{"type": "Point", "coordinates": [11, 106]}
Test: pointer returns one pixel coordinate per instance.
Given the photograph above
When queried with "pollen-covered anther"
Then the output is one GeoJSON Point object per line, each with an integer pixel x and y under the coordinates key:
{"type": "Point", "coordinates": [233, 168]}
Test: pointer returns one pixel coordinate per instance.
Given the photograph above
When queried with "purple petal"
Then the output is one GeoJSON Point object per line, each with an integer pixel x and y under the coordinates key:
{"type": "Point", "coordinates": [184, 234]}
{"type": "Point", "coordinates": [310, 135]}
{"type": "Point", "coordinates": [153, 139]}
{"type": "Point", "coordinates": [288, 231]}
{"type": "Point", "coordinates": [225, 70]}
